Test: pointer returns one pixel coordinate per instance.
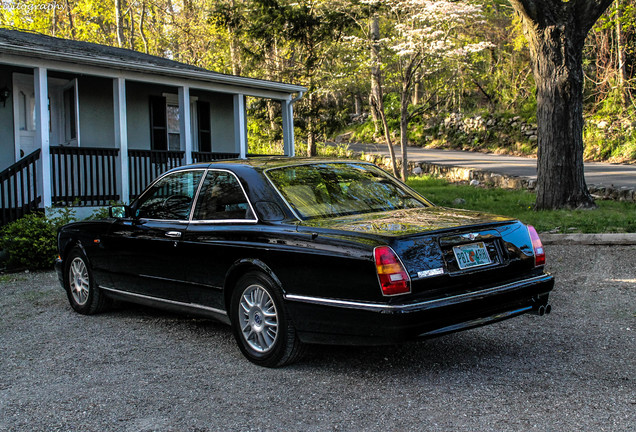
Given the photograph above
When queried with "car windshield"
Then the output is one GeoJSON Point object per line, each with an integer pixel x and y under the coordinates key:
{"type": "Point", "coordinates": [339, 189]}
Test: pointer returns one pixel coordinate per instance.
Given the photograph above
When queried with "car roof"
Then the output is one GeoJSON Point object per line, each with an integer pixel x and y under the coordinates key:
{"type": "Point", "coordinates": [263, 163]}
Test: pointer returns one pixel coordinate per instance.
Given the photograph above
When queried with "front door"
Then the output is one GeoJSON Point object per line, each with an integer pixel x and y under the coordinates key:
{"type": "Point", "coordinates": [62, 113]}
{"type": "Point", "coordinates": [24, 115]}
{"type": "Point", "coordinates": [146, 250]}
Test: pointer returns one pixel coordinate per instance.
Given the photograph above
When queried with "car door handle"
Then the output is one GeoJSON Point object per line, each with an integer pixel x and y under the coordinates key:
{"type": "Point", "coordinates": [173, 234]}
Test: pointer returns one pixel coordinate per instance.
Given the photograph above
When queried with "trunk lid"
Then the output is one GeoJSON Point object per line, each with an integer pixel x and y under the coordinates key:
{"type": "Point", "coordinates": [436, 245]}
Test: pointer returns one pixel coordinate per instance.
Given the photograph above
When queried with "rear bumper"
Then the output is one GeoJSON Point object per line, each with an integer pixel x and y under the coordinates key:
{"type": "Point", "coordinates": [323, 320]}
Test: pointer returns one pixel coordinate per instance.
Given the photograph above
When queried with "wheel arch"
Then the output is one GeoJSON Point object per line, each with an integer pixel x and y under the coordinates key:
{"type": "Point", "coordinates": [70, 244]}
{"type": "Point", "coordinates": [241, 267]}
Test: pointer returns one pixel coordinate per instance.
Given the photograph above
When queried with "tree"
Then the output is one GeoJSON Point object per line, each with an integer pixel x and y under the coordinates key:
{"type": "Point", "coordinates": [427, 35]}
{"type": "Point", "coordinates": [556, 33]}
{"type": "Point", "coordinates": [376, 96]}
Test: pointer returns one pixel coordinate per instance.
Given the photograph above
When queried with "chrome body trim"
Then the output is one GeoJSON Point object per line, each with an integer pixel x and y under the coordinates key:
{"type": "Point", "coordinates": [215, 311]}
{"type": "Point", "coordinates": [428, 304]}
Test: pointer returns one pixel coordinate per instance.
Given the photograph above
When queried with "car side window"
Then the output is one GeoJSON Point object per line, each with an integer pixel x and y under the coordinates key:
{"type": "Point", "coordinates": [171, 197]}
{"type": "Point", "coordinates": [222, 198]}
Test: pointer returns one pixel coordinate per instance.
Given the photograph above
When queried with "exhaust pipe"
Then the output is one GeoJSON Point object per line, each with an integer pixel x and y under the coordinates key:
{"type": "Point", "coordinates": [542, 310]}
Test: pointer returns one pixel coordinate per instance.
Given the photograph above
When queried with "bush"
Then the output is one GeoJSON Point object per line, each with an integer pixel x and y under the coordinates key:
{"type": "Point", "coordinates": [31, 241]}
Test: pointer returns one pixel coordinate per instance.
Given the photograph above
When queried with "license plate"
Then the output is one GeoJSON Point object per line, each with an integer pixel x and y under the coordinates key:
{"type": "Point", "coordinates": [472, 255]}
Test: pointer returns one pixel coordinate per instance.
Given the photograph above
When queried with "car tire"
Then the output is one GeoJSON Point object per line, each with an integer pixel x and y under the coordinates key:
{"type": "Point", "coordinates": [260, 322]}
{"type": "Point", "coordinates": [83, 293]}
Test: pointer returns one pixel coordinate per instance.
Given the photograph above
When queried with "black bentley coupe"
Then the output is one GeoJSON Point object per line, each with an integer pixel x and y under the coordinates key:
{"type": "Point", "coordinates": [296, 251]}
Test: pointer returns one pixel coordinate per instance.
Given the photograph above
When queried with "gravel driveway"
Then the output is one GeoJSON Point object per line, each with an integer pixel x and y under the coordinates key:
{"type": "Point", "coordinates": [136, 369]}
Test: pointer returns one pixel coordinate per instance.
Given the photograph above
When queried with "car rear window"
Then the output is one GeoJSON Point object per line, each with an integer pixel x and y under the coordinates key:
{"type": "Point", "coordinates": [338, 189]}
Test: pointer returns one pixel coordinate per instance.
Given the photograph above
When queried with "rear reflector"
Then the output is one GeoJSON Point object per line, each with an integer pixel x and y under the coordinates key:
{"type": "Point", "coordinates": [537, 246]}
{"type": "Point", "coordinates": [391, 273]}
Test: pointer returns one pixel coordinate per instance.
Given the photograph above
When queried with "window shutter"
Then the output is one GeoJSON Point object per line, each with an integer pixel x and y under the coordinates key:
{"type": "Point", "coordinates": [203, 120]}
{"type": "Point", "coordinates": [158, 126]}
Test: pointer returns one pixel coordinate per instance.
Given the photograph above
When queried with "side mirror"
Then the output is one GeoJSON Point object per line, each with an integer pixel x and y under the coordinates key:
{"type": "Point", "coordinates": [119, 211]}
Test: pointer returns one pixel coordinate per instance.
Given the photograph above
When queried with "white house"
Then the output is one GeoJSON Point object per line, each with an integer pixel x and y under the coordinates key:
{"type": "Point", "coordinates": [84, 124]}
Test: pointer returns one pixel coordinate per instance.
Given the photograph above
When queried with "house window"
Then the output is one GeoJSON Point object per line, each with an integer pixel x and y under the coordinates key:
{"type": "Point", "coordinates": [26, 111]}
{"type": "Point", "coordinates": [174, 127]}
{"type": "Point", "coordinates": [165, 122]}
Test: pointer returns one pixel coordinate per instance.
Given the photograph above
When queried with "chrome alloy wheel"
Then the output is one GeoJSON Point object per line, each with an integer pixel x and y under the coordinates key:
{"type": "Point", "coordinates": [79, 281]}
{"type": "Point", "coordinates": [258, 318]}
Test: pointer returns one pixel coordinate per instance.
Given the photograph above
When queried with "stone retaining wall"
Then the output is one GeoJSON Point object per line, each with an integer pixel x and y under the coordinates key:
{"type": "Point", "coordinates": [488, 178]}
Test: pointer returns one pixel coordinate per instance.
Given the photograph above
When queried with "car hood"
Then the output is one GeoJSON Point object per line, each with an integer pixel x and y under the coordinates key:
{"type": "Point", "coordinates": [405, 222]}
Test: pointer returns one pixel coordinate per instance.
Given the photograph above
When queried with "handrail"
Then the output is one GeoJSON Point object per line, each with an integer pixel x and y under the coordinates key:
{"type": "Point", "coordinates": [19, 188]}
{"type": "Point", "coordinates": [21, 164]}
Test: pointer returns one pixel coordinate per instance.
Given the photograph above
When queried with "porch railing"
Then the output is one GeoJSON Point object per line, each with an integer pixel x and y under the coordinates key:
{"type": "Point", "coordinates": [19, 189]}
{"type": "Point", "coordinates": [83, 176]}
{"type": "Point", "coordinates": [209, 157]}
{"type": "Point", "coordinates": [146, 165]}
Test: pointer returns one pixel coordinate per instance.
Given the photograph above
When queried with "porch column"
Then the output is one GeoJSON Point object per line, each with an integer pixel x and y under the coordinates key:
{"type": "Point", "coordinates": [240, 125]}
{"type": "Point", "coordinates": [121, 136]}
{"type": "Point", "coordinates": [288, 128]}
{"type": "Point", "coordinates": [185, 123]}
{"type": "Point", "coordinates": [40, 83]}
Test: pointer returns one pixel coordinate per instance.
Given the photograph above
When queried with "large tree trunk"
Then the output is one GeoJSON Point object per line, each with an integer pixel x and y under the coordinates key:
{"type": "Point", "coordinates": [557, 67]}
{"type": "Point", "coordinates": [556, 32]}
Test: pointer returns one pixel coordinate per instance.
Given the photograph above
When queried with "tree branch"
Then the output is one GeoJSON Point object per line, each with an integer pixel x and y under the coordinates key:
{"type": "Point", "coordinates": [589, 11]}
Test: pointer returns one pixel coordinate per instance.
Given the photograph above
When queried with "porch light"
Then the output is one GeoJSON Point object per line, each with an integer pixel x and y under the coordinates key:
{"type": "Point", "coordinates": [4, 95]}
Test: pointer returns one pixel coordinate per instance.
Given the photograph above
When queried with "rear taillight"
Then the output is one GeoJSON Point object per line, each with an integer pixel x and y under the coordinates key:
{"type": "Point", "coordinates": [391, 273]}
{"type": "Point", "coordinates": [537, 247]}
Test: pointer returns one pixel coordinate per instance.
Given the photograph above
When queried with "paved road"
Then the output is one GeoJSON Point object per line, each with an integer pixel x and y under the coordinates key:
{"type": "Point", "coordinates": [138, 370]}
{"type": "Point", "coordinates": [597, 174]}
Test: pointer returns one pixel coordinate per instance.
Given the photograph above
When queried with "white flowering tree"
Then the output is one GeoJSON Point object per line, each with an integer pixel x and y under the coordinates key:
{"type": "Point", "coordinates": [428, 36]}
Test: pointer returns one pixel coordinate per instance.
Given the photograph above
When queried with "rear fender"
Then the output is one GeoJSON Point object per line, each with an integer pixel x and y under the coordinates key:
{"type": "Point", "coordinates": [241, 267]}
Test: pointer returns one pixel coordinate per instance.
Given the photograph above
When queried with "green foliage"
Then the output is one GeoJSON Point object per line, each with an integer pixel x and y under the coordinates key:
{"type": "Point", "coordinates": [31, 241]}
{"type": "Point", "coordinates": [610, 131]}
{"type": "Point", "coordinates": [325, 46]}
{"type": "Point", "coordinates": [611, 216]}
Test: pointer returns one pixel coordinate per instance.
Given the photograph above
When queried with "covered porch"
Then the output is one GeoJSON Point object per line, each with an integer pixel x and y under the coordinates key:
{"type": "Point", "coordinates": [79, 129]}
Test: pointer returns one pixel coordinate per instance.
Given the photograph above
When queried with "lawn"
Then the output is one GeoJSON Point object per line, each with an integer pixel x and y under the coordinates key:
{"type": "Point", "coordinates": [609, 217]}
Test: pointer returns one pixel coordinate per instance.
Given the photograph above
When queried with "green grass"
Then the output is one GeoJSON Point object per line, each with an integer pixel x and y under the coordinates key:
{"type": "Point", "coordinates": [610, 217]}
